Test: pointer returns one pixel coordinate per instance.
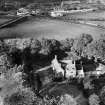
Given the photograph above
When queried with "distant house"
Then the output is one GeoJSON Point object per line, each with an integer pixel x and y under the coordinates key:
{"type": "Point", "coordinates": [23, 12]}
{"type": "Point", "coordinates": [56, 14]}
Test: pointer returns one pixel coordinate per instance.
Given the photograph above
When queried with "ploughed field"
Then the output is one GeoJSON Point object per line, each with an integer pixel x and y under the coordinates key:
{"type": "Point", "coordinates": [49, 28]}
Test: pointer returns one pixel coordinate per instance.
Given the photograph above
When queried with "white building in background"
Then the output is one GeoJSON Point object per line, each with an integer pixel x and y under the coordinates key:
{"type": "Point", "coordinates": [56, 14]}
{"type": "Point", "coordinates": [23, 12]}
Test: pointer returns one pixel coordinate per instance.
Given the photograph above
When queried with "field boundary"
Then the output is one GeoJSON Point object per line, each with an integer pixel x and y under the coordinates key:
{"type": "Point", "coordinates": [8, 23]}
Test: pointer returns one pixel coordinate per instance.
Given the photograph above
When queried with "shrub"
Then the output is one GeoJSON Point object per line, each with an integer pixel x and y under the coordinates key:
{"type": "Point", "coordinates": [80, 44]}
{"type": "Point", "coordinates": [87, 82]}
{"type": "Point", "coordinates": [35, 46]}
{"type": "Point", "coordinates": [102, 94]}
{"type": "Point", "coordinates": [67, 44]}
{"type": "Point", "coordinates": [94, 99]}
{"type": "Point", "coordinates": [67, 100]}
{"type": "Point", "coordinates": [45, 47]}
{"type": "Point", "coordinates": [21, 97]}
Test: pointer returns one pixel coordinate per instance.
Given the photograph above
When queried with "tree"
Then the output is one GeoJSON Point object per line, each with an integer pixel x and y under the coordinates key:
{"type": "Point", "coordinates": [102, 94]}
{"type": "Point", "coordinates": [45, 47]}
{"type": "Point", "coordinates": [94, 99]}
{"type": "Point", "coordinates": [35, 46]}
{"type": "Point", "coordinates": [49, 45]}
{"type": "Point", "coordinates": [20, 97]}
{"type": "Point", "coordinates": [81, 43]}
{"type": "Point", "coordinates": [67, 44]}
{"type": "Point", "coordinates": [67, 100]}
{"type": "Point", "coordinates": [11, 82]}
{"type": "Point", "coordinates": [87, 83]}
{"type": "Point", "coordinates": [55, 45]}
{"type": "Point", "coordinates": [97, 49]}
{"type": "Point", "coordinates": [15, 56]}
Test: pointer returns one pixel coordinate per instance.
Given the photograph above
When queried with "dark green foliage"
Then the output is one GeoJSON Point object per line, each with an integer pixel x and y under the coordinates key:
{"type": "Point", "coordinates": [97, 49]}
{"type": "Point", "coordinates": [35, 46]}
{"type": "Point", "coordinates": [67, 44]}
{"type": "Point", "coordinates": [49, 45]}
{"type": "Point", "coordinates": [94, 99]}
{"type": "Point", "coordinates": [21, 97]}
{"type": "Point", "coordinates": [102, 95]}
{"type": "Point", "coordinates": [15, 56]}
{"type": "Point", "coordinates": [81, 43]}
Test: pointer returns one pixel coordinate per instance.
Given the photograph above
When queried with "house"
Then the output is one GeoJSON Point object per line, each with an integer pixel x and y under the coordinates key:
{"type": "Point", "coordinates": [100, 69]}
{"type": "Point", "coordinates": [79, 68]}
{"type": "Point", "coordinates": [56, 14]}
{"type": "Point", "coordinates": [80, 73]}
{"type": "Point", "coordinates": [70, 70]}
{"type": "Point", "coordinates": [57, 66]}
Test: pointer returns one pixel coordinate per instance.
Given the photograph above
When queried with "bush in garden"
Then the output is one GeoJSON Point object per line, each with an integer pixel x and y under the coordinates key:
{"type": "Point", "coordinates": [35, 46]}
{"type": "Point", "coordinates": [12, 90]}
{"type": "Point", "coordinates": [50, 100]}
{"type": "Point", "coordinates": [102, 94]}
{"type": "Point", "coordinates": [45, 47]}
{"type": "Point", "coordinates": [20, 97]}
{"type": "Point", "coordinates": [67, 44]}
{"type": "Point", "coordinates": [49, 46]}
{"type": "Point", "coordinates": [4, 47]}
{"type": "Point", "coordinates": [67, 100]}
{"type": "Point", "coordinates": [55, 45]}
{"type": "Point", "coordinates": [87, 82]}
{"type": "Point", "coordinates": [15, 56]}
{"type": "Point", "coordinates": [80, 44]}
{"type": "Point", "coordinates": [4, 62]}
{"type": "Point", "coordinates": [94, 99]}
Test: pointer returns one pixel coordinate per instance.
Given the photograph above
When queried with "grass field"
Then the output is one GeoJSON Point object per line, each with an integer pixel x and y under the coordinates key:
{"type": "Point", "coordinates": [49, 28]}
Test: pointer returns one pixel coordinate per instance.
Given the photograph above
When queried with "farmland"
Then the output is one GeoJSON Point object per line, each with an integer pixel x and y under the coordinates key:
{"type": "Point", "coordinates": [41, 52]}
{"type": "Point", "coordinates": [49, 28]}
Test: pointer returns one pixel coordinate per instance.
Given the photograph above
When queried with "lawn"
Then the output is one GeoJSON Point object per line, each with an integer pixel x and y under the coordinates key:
{"type": "Point", "coordinates": [69, 89]}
